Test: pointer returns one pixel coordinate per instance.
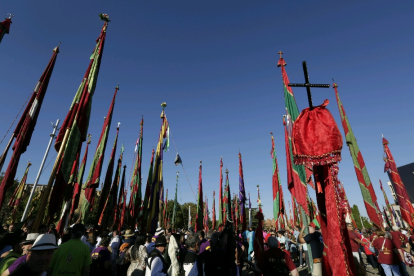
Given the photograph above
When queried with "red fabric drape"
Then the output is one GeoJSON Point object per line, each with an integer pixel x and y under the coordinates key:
{"type": "Point", "coordinates": [317, 142]}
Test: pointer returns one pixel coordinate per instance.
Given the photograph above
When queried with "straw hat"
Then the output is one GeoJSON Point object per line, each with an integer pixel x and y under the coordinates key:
{"type": "Point", "coordinates": [129, 233]}
{"type": "Point", "coordinates": [44, 242]}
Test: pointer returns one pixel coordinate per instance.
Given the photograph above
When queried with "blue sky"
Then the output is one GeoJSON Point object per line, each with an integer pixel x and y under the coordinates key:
{"type": "Point", "coordinates": [214, 63]}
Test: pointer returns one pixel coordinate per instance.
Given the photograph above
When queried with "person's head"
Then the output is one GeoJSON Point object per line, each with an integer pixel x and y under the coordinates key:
{"type": "Point", "coordinates": [25, 230]}
{"type": "Point", "coordinates": [41, 253]}
{"type": "Point", "coordinates": [140, 240]}
{"type": "Point", "coordinates": [192, 242]}
{"type": "Point", "coordinates": [105, 241]}
{"type": "Point", "coordinates": [28, 243]}
{"type": "Point", "coordinates": [311, 229]}
{"type": "Point", "coordinates": [297, 227]}
{"type": "Point", "coordinates": [42, 229]}
{"type": "Point", "coordinates": [272, 242]}
{"type": "Point", "coordinates": [365, 234]}
{"type": "Point", "coordinates": [78, 230]}
{"type": "Point", "coordinates": [17, 244]}
{"type": "Point", "coordinates": [350, 227]}
{"type": "Point", "coordinates": [11, 228]}
{"type": "Point", "coordinates": [201, 234]}
{"type": "Point", "coordinates": [280, 233]}
{"type": "Point", "coordinates": [159, 232]}
{"type": "Point", "coordinates": [380, 233]}
{"type": "Point", "coordinates": [250, 229]}
{"type": "Point", "coordinates": [114, 233]}
{"type": "Point", "coordinates": [387, 229]}
{"type": "Point", "coordinates": [317, 228]}
{"type": "Point", "coordinates": [209, 234]}
{"type": "Point", "coordinates": [160, 243]}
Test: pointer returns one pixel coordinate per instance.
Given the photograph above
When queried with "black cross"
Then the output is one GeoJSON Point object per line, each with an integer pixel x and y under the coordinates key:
{"type": "Point", "coordinates": [308, 85]}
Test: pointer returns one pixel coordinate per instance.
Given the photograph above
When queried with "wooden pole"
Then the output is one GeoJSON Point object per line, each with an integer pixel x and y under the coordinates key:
{"type": "Point", "coordinates": [3, 156]}
{"type": "Point", "coordinates": [45, 199]}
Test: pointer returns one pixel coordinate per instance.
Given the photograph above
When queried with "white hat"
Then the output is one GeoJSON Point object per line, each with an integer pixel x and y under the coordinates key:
{"type": "Point", "coordinates": [44, 242]}
{"type": "Point", "coordinates": [30, 238]}
{"type": "Point", "coordinates": [159, 231]}
{"type": "Point", "coordinates": [395, 228]}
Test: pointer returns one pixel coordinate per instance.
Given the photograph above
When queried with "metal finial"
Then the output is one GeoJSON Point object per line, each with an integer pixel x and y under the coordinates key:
{"type": "Point", "coordinates": [227, 171]}
{"type": "Point", "coordinates": [271, 133]}
{"type": "Point", "coordinates": [200, 162]}
{"type": "Point", "coordinates": [119, 124]}
{"type": "Point", "coordinates": [164, 105]}
{"type": "Point", "coordinates": [280, 53]}
{"type": "Point", "coordinates": [124, 166]}
{"type": "Point", "coordinates": [117, 86]}
{"type": "Point", "coordinates": [56, 49]}
{"type": "Point", "coordinates": [382, 135]}
{"type": "Point", "coordinates": [10, 15]}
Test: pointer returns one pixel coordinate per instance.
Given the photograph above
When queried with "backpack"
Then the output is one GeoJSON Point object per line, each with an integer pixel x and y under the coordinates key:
{"type": "Point", "coordinates": [97, 267]}
{"type": "Point", "coordinates": [275, 266]}
{"type": "Point", "coordinates": [156, 254]}
{"type": "Point", "coordinates": [216, 263]}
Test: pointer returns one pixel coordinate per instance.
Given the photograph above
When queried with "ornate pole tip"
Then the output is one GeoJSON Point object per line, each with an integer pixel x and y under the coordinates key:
{"type": "Point", "coordinates": [334, 85]}
{"type": "Point", "coordinates": [29, 163]}
{"type": "Point", "coordinates": [271, 133]}
{"type": "Point", "coordinates": [118, 124]}
{"type": "Point", "coordinates": [200, 162]}
{"type": "Point", "coordinates": [117, 86]}
{"type": "Point", "coordinates": [280, 53]}
{"type": "Point", "coordinates": [124, 166]}
{"type": "Point", "coordinates": [56, 49]}
{"type": "Point", "coordinates": [104, 17]}
{"type": "Point", "coordinates": [227, 171]}
{"type": "Point", "coordinates": [164, 105]}
{"type": "Point", "coordinates": [10, 16]}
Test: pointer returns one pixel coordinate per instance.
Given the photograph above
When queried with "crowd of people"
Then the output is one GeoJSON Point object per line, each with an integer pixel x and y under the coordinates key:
{"type": "Point", "coordinates": [389, 251]}
{"type": "Point", "coordinates": [81, 251]}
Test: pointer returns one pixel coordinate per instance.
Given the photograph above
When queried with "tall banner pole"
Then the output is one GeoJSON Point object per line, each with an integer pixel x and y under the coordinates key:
{"type": "Point", "coordinates": [52, 136]}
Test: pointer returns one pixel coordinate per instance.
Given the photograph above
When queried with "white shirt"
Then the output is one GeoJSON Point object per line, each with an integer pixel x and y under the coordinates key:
{"type": "Point", "coordinates": [281, 239]}
{"type": "Point", "coordinates": [115, 246]}
{"type": "Point", "coordinates": [84, 240]}
{"type": "Point", "coordinates": [98, 241]}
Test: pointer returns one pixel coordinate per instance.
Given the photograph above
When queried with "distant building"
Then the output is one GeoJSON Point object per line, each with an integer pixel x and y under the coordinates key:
{"type": "Point", "coordinates": [407, 176]}
{"type": "Point", "coordinates": [39, 187]}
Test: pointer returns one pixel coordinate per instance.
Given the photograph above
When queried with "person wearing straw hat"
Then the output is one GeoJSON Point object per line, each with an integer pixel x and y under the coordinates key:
{"type": "Point", "coordinates": [72, 257]}
{"type": "Point", "coordinates": [38, 257]}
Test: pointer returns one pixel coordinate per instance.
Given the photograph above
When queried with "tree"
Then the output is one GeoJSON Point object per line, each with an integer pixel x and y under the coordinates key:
{"type": "Point", "coordinates": [357, 216]}
{"type": "Point", "coordinates": [193, 212]}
